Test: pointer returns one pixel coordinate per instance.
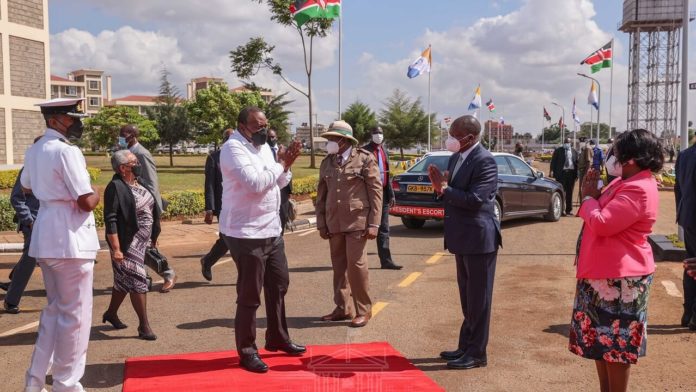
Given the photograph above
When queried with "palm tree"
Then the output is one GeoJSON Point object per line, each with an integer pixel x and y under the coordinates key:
{"type": "Point", "coordinates": [278, 116]}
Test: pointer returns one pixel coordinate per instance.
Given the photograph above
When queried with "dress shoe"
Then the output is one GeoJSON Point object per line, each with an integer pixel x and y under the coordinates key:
{"type": "Point", "coordinates": [392, 266]}
{"type": "Point", "coordinates": [168, 285]}
{"type": "Point", "coordinates": [5, 286]}
{"type": "Point", "coordinates": [205, 270]}
{"type": "Point", "coordinates": [360, 321]}
{"type": "Point", "coordinates": [467, 362]}
{"type": "Point", "coordinates": [114, 321]}
{"type": "Point", "coordinates": [11, 309]}
{"type": "Point", "coordinates": [452, 355]}
{"type": "Point", "coordinates": [692, 323]}
{"type": "Point", "coordinates": [146, 336]}
{"type": "Point", "coordinates": [686, 317]}
{"type": "Point", "coordinates": [253, 363]}
{"type": "Point", "coordinates": [336, 316]}
{"type": "Point", "coordinates": [289, 348]}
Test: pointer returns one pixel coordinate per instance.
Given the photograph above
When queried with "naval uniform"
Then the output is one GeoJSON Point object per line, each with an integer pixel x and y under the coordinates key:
{"type": "Point", "coordinates": [64, 241]}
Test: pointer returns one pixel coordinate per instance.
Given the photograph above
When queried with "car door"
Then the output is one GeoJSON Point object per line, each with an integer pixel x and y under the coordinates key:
{"type": "Point", "coordinates": [509, 187]}
{"type": "Point", "coordinates": [535, 197]}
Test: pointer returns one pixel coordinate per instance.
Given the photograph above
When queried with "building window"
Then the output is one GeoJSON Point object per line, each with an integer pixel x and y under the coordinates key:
{"type": "Point", "coordinates": [94, 101]}
{"type": "Point", "coordinates": [70, 91]}
{"type": "Point", "coordinates": [54, 91]}
{"type": "Point", "coordinates": [94, 85]}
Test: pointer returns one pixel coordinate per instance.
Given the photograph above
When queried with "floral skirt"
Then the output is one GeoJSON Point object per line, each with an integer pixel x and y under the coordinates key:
{"type": "Point", "coordinates": [610, 319]}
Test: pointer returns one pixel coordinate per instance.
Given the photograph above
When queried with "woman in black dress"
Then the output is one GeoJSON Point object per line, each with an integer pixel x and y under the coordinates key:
{"type": "Point", "coordinates": [132, 224]}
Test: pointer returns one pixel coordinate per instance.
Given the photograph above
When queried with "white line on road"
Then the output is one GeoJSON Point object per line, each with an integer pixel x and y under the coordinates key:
{"type": "Point", "coordinates": [19, 329]}
{"type": "Point", "coordinates": [301, 231]}
{"type": "Point", "coordinates": [307, 233]}
{"type": "Point", "coordinates": [227, 260]}
{"type": "Point", "coordinates": [671, 288]}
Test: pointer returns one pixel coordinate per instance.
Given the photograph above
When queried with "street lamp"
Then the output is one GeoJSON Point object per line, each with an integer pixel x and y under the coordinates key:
{"type": "Point", "coordinates": [599, 96]}
{"type": "Point", "coordinates": [563, 121]}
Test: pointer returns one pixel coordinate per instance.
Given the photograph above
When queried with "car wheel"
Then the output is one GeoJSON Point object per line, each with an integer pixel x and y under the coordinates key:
{"type": "Point", "coordinates": [555, 208]}
{"type": "Point", "coordinates": [497, 211]}
{"type": "Point", "coordinates": [412, 223]}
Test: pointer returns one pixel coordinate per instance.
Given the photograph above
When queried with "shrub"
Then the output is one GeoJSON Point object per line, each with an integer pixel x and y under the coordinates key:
{"type": "Point", "coordinates": [184, 203]}
{"type": "Point", "coordinates": [8, 177]}
{"type": "Point", "coordinates": [93, 173]}
{"type": "Point", "coordinates": [7, 214]}
{"type": "Point", "coordinates": [305, 185]}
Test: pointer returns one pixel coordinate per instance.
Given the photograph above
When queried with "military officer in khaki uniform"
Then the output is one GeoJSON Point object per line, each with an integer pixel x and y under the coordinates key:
{"type": "Point", "coordinates": [349, 209]}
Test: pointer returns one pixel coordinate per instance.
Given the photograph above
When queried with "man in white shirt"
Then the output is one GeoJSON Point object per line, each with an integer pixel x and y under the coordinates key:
{"type": "Point", "coordinates": [65, 244]}
{"type": "Point", "coordinates": [250, 225]}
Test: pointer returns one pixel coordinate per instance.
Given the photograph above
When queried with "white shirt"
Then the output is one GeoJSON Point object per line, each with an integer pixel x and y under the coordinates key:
{"type": "Point", "coordinates": [251, 182]}
{"type": "Point", "coordinates": [56, 172]}
{"type": "Point", "coordinates": [346, 155]}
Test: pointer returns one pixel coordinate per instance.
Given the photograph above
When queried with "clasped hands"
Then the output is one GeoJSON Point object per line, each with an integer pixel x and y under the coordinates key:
{"type": "Point", "coordinates": [287, 156]}
{"type": "Point", "coordinates": [438, 179]}
{"type": "Point", "coordinates": [589, 184]}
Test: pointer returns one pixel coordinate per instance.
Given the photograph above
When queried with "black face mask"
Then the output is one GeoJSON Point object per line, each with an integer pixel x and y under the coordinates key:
{"type": "Point", "coordinates": [75, 130]}
{"type": "Point", "coordinates": [260, 137]}
{"type": "Point", "coordinates": [272, 142]}
{"type": "Point", "coordinates": [137, 170]}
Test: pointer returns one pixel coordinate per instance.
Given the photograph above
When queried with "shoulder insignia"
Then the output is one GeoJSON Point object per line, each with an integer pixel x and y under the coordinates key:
{"type": "Point", "coordinates": [65, 141]}
{"type": "Point", "coordinates": [364, 151]}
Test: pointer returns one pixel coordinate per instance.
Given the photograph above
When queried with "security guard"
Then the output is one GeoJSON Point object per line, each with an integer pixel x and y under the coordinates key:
{"type": "Point", "coordinates": [349, 210]}
{"type": "Point", "coordinates": [65, 243]}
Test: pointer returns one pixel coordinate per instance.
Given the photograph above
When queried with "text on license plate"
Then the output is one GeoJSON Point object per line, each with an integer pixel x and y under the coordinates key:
{"type": "Point", "coordinates": [419, 188]}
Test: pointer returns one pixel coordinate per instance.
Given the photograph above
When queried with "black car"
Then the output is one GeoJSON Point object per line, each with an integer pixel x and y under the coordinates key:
{"type": "Point", "coordinates": [522, 191]}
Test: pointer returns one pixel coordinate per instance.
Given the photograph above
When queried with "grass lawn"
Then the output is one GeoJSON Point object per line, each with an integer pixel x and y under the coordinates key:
{"type": "Point", "coordinates": [188, 172]}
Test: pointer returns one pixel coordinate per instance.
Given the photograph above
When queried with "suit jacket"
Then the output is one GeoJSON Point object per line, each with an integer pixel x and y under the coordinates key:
{"type": "Point", "coordinates": [388, 190]}
{"type": "Point", "coordinates": [558, 161]}
{"type": "Point", "coordinates": [349, 197]}
{"type": "Point", "coordinates": [120, 216]}
{"type": "Point", "coordinates": [149, 172]}
{"type": "Point", "coordinates": [26, 206]}
{"type": "Point", "coordinates": [213, 183]}
{"type": "Point", "coordinates": [470, 224]}
{"type": "Point", "coordinates": [685, 188]}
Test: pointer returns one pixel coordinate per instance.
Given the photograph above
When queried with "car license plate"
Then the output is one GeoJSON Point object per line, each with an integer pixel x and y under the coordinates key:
{"type": "Point", "coordinates": [419, 188]}
{"type": "Point", "coordinates": [425, 212]}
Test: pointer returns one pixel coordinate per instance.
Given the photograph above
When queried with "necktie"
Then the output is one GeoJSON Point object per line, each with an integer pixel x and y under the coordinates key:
{"type": "Point", "coordinates": [457, 166]}
{"type": "Point", "coordinates": [339, 159]}
{"type": "Point", "coordinates": [275, 157]}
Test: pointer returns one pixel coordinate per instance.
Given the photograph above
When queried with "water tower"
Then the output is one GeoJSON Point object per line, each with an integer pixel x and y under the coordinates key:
{"type": "Point", "coordinates": [654, 27]}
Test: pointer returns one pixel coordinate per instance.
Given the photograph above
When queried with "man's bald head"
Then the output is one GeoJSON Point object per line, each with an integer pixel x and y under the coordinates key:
{"type": "Point", "coordinates": [464, 126]}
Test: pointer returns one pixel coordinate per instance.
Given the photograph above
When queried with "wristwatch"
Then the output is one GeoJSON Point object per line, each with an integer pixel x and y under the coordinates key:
{"type": "Point", "coordinates": [586, 198]}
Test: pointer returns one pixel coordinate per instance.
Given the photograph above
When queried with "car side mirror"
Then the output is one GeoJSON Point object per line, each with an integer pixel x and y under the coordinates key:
{"type": "Point", "coordinates": [540, 174]}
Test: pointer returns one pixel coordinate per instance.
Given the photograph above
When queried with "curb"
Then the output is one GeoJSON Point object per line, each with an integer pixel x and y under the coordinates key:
{"type": "Point", "coordinates": [304, 224]}
{"type": "Point", "coordinates": [664, 249]}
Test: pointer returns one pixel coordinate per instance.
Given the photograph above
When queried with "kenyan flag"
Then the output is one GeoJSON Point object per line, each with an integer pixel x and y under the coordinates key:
{"type": "Point", "coordinates": [306, 10]}
{"type": "Point", "coordinates": [600, 58]}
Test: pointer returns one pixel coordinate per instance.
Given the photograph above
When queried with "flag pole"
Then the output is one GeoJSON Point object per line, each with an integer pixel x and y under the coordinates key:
{"type": "Point", "coordinates": [611, 85]}
{"type": "Point", "coordinates": [542, 134]}
{"type": "Point", "coordinates": [429, 77]}
{"type": "Point", "coordinates": [340, 55]}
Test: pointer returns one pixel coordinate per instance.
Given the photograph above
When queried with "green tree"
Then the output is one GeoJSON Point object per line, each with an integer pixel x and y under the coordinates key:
{"type": "Point", "coordinates": [278, 116]}
{"type": "Point", "coordinates": [361, 118]}
{"type": "Point", "coordinates": [589, 130]}
{"type": "Point", "coordinates": [102, 129]}
{"type": "Point", "coordinates": [405, 122]}
{"type": "Point", "coordinates": [170, 115]}
{"type": "Point", "coordinates": [248, 59]}
{"type": "Point", "coordinates": [552, 134]}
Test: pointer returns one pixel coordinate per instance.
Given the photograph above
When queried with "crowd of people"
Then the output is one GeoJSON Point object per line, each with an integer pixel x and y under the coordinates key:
{"type": "Point", "coordinates": [248, 184]}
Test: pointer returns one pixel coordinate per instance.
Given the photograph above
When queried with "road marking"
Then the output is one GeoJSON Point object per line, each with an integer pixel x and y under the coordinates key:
{"type": "Point", "coordinates": [410, 279]}
{"type": "Point", "coordinates": [435, 258]}
{"type": "Point", "coordinates": [227, 260]}
{"type": "Point", "coordinates": [19, 329]}
{"type": "Point", "coordinates": [671, 288]}
{"type": "Point", "coordinates": [301, 231]}
{"type": "Point", "coordinates": [307, 233]}
{"type": "Point", "coordinates": [377, 307]}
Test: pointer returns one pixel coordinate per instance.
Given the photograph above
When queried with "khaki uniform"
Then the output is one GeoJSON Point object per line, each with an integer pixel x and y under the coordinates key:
{"type": "Point", "coordinates": [349, 200]}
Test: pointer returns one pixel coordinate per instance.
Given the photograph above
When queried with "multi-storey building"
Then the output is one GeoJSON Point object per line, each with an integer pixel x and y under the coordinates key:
{"type": "Point", "coordinates": [66, 88]}
{"type": "Point", "coordinates": [139, 102]}
{"type": "Point", "coordinates": [93, 87]}
{"type": "Point", "coordinates": [24, 75]}
{"type": "Point", "coordinates": [495, 130]}
{"type": "Point", "coordinates": [201, 83]}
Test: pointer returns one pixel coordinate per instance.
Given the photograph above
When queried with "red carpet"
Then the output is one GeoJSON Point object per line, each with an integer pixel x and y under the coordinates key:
{"type": "Point", "coordinates": [356, 367]}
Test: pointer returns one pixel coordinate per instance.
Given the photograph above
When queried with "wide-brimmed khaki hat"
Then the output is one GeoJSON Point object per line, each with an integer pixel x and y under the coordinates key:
{"type": "Point", "coordinates": [340, 129]}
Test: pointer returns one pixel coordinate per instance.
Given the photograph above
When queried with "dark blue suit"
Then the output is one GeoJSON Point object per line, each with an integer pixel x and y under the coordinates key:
{"type": "Point", "coordinates": [472, 234]}
{"type": "Point", "coordinates": [685, 195]}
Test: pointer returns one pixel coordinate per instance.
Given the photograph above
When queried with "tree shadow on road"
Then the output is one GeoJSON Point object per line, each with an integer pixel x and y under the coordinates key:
{"type": "Point", "coordinates": [96, 334]}
{"type": "Point", "coordinates": [293, 322]}
{"type": "Point", "coordinates": [102, 375]}
{"type": "Point", "coordinates": [561, 329]}
{"type": "Point", "coordinates": [664, 329]}
{"type": "Point", "coordinates": [310, 269]}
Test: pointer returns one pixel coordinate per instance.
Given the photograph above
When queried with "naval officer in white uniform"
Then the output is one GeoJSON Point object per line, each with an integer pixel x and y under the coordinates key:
{"type": "Point", "coordinates": [65, 243]}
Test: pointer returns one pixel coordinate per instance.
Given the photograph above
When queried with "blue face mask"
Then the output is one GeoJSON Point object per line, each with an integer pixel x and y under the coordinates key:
{"type": "Point", "coordinates": [122, 142]}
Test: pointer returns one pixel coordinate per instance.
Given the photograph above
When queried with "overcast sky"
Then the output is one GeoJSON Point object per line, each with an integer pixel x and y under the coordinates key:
{"type": "Point", "coordinates": [524, 53]}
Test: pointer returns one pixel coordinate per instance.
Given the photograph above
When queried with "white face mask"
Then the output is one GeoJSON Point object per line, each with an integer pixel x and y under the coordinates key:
{"type": "Point", "coordinates": [377, 138]}
{"type": "Point", "coordinates": [332, 148]}
{"type": "Point", "coordinates": [452, 144]}
{"type": "Point", "coordinates": [614, 167]}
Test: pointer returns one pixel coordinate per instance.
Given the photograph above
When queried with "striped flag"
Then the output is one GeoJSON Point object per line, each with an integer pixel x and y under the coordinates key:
{"type": "Point", "coordinates": [592, 98]}
{"type": "Point", "coordinates": [421, 65]}
{"type": "Point", "coordinates": [490, 105]}
{"type": "Point", "coordinates": [575, 113]}
{"type": "Point", "coordinates": [547, 116]}
{"type": "Point", "coordinates": [305, 10]}
{"type": "Point", "coordinates": [601, 58]}
{"type": "Point", "coordinates": [476, 102]}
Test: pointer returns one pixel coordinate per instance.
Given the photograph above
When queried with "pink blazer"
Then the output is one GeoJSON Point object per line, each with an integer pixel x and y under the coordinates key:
{"type": "Point", "coordinates": [617, 225]}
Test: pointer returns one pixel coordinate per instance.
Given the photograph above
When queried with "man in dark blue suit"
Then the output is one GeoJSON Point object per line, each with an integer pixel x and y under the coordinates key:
{"type": "Point", "coordinates": [685, 195]}
{"type": "Point", "coordinates": [472, 234]}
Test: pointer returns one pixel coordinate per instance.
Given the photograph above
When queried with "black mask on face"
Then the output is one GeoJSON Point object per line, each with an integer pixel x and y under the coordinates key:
{"type": "Point", "coordinates": [75, 130]}
{"type": "Point", "coordinates": [137, 170]}
{"type": "Point", "coordinates": [272, 142]}
{"type": "Point", "coordinates": [260, 137]}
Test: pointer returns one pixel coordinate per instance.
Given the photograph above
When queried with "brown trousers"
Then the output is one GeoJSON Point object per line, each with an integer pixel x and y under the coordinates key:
{"type": "Point", "coordinates": [350, 274]}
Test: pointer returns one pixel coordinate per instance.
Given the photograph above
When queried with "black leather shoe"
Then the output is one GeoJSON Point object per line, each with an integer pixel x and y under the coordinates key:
{"type": "Point", "coordinates": [146, 336]}
{"type": "Point", "coordinates": [452, 355]}
{"type": "Point", "coordinates": [11, 309]}
{"type": "Point", "coordinates": [253, 363]}
{"type": "Point", "coordinates": [692, 323]}
{"type": "Point", "coordinates": [114, 321]}
{"type": "Point", "coordinates": [392, 266]}
{"type": "Point", "coordinates": [206, 271]}
{"type": "Point", "coordinates": [289, 348]}
{"type": "Point", "coordinates": [467, 362]}
{"type": "Point", "coordinates": [5, 286]}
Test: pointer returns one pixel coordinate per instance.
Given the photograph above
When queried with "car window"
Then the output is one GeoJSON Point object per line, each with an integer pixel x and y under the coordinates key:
{"type": "Point", "coordinates": [422, 167]}
{"type": "Point", "coordinates": [503, 167]}
{"type": "Point", "coordinates": [520, 168]}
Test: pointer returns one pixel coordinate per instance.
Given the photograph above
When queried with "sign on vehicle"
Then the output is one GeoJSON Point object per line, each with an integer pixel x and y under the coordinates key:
{"type": "Point", "coordinates": [424, 212]}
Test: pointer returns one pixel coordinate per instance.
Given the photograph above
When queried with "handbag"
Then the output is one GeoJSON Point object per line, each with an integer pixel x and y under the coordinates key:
{"type": "Point", "coordinates": [156, 260]}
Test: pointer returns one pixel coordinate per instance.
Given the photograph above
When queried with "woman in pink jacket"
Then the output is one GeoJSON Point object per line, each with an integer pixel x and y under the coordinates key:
{"type": "Point", "coordinates": [615, 262]}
